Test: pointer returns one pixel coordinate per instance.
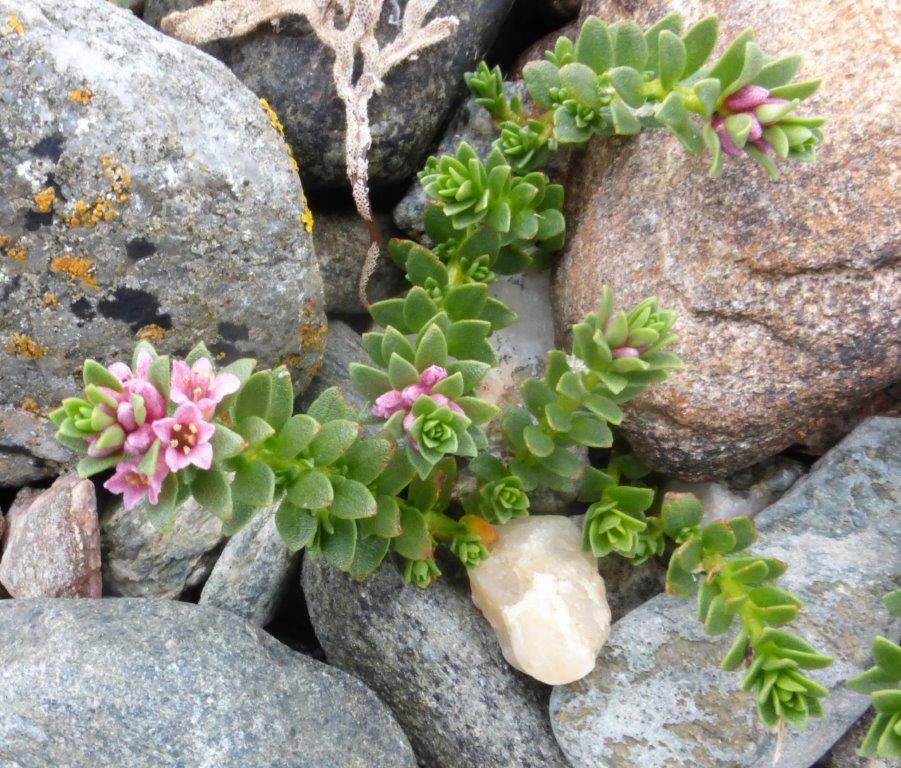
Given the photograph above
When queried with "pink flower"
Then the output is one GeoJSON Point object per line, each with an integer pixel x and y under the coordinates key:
{"type": "Point", "coordinates": [197, 384]}
{"type": "Point", "coordinates": [122, 372]}
{"type": "Point", "coordinates": [394, 400]}
{"type": "Point", "coordinates": [186, 438]}
{"type": "Point", "coordinates": [621, 352]}
{"type": "Point", "coordinates": [133, 485]}
{"type": "Point", "coordinates": [728, 146]}
{"type": "Point", "coordinates": [747, 98]}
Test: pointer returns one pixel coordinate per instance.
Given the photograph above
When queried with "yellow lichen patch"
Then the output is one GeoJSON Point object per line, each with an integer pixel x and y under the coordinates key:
{"type": "Point", "coordinates": [50, 299]}
{"type": "Point", "coordinates": [11, 251]}
{"type": "Point", "coordinates": [152, 332]}
{"type": "Point", "coordinates": [29, 404]}
{"type": "Point", "coordinates": [13, 26]}
{"type": "Point", "coordinates": [77, 268]}
{"type": "Point", "coordinates": [81, 95]}
{"type": "Point", "coordinates": [44, 200]}
{"type": "Point", "coordinates": [273, 118]}
{"type": "Point", "coordinates": [22, 345]}
{"type": "Point", "coordinates": [104, 207]}
{"type": "Point", "coordinates": [306, 218]}
{"type": "Point", "coordinates": [292, 361]}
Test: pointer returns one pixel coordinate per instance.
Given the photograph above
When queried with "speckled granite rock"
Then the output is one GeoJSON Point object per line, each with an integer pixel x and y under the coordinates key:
{"type": "Point", "coordinates": [140, 561]}
{"type": "Point", "coordinates": [51, 545]}
{"type": "Point", "coordinates": [146, 683]}
{"type": "Point", "coordinates": [844, 753]}
{"type": "Point", "coordinates": [342, 347]}
{"type": "Point", "coordinates": [434, 660]}
{"type": "Point", "coordinates": [144, 194]}
{"type": "Point", "coordinates": [745, 493]}
{"type": "Point", "coordinates": [290, 68]}
{"type": "Point", "coordinates": [252, 573]}
{"type": "Point", "coordinates": [658, 695]}
{"type": "Point", "coordinates": [341, 241]}
{"type": "Point", "coordinates": [787, 292]}
{"type": "Point", "coordinates": [522, 350]}
{"type": "Point", "coordinates": [28, 450]}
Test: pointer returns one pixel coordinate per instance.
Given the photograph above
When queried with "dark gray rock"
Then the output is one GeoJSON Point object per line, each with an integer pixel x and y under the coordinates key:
{"type": "Point", "coordinates": [140, 561]}
{"type": "Point", "coordinates": [844, 753]}
{"type": "Point", "coordinates": [252, 573]}
{"type": "Point", "coordinates": [28, 450]}
{"type": "Point", "coordinates": [147, 683]}
{"type": "Point", "coordinates": [342, 347]}
{"type": "Point", "coordinates": [341, 241]}
{"type": "Point", "coordinates": [290, 68]}
{"type": "Point", "coordinates": [434, 659]}
{"type": "Point", "coordinates": [658, 694]}
{"type": "Point", "coordinates": [172, 213]}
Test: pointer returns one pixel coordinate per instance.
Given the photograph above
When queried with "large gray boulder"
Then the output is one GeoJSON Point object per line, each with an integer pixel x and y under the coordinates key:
{"type": "Point", "coordinates": [436, 662]}
{"type": "Point", "coordinates": [143, 194]}
{"type": "Point", "coordinates": [658, 694]}
{"type": "Point", "coordinates": [289, 67]}
{"type": "Point", "coordinates": [145, 683]}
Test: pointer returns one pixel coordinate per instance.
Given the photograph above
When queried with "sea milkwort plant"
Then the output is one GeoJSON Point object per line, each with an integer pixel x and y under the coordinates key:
{"type": "Point", "coordinates": [355, 487]}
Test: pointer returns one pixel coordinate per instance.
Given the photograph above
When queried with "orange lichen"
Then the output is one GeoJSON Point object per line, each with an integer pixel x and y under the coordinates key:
{"type": "Point", "coordinates": [81, 96]}
{"type": "Point", "coordinates": [312, 336]}
{"type": "Point", "coordinates": [103, 207]}
{"type": "Point", "coordinates": [44, 200]}
{"type": "Point", "coordinates": [77, 268]}
{"type": "Point", "coordinates": [292, 361]}
{"type": "Point", "coordinates": [50, 299]}
{"type": "Point", "coordinates": [13, 26]}
{"type": "Point", "coordinates": [152, 332]}
{"type": "Point", "coordinates": [24, 346]}
{"type": "Point", "coordinates": [11, 251]}
{"type": "Point", "coordinates": [29, 404]}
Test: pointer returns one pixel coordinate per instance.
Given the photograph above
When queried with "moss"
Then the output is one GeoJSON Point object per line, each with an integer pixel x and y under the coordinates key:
{"type": "Point", "coordinates": [22, 345]}
{"type": "Point", "coordinates": [77, 268]}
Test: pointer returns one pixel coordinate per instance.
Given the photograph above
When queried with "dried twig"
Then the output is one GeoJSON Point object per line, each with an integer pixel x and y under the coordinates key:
{"type": "Point", "coordinates": [232, 18]}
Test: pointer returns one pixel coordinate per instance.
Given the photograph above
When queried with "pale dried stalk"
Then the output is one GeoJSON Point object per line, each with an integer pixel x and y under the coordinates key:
{"type": "Point", "coordinates": [232, 18]}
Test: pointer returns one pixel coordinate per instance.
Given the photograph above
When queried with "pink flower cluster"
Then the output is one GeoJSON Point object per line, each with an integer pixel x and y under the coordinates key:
{"type": "Point", "coordinates": [141, 413]}
{"type": "Point", "coordinates": [395, 400]}
{"type": "Point", "coordinates": [745, 101]}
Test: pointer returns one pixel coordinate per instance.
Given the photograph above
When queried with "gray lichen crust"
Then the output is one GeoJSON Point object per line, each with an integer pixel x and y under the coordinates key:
{"type": "Point", "coordinates": [657, 698]}
{"type": "Point", "coordinates": [137, 683]}
{"type": "Point", "coordinates": [143, 194]}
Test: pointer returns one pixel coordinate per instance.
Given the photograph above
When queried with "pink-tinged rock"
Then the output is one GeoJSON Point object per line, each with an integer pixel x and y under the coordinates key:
{"type": "Point", "coordinates": [51, 547]}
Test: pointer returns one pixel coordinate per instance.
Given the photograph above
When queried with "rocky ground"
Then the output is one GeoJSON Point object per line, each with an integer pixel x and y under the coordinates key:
{"type": "Point", "coordinates": [145, 193]}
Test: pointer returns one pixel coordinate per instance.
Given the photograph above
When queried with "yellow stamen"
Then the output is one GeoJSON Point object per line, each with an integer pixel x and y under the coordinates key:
{"type": "Point", "coordinates": [192, 428]}
{"type": "Point", "coordinates": [186, 450]}
{"type": "Point", "coordinates": [176, 427]}
{"type": "Point", "coordinates": [173, 443]}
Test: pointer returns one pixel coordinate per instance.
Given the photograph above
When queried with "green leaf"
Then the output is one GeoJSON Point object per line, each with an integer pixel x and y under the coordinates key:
{"type": "Point", "coordinates": [594, 47]}
{"type": "Point", "coordinates": [628, 83]}
{"type": "Point", "coordinates": [147, 464]}
{"type": "Point", "coordinates": [296, 527]}
{"type": "Point", "coordinates": [699, 42]}
{"type": "Point", "coordinates": [465, 302]}
{"type": "Point", "coordinates": [751, 67]}
{"type": "Point", "coordinates": [630, 48]}
{"type": "Point", "coordinates": [432, 349]}
{"type": "Point", "coordinates": [729, 65]}
{"type": "Point", "coordinates": [90, 466]}
{"type": "Point", "coordinates": [482, 242]}
{"type": "Point", "coordinates": [624, 120]}
{"type": "Point", "coordinates": [162, 514]}
{"type": "Point", "coordinates": [367, 459]}
{"type": "Point", "coordinates": [540, 78]}
{"type": "Point", "coordinates": [797, 90]}
{"type": "Point", "coordinates": [254, 430]}
{"type": "Point", "coordinates": [313, 490]}
{"type": "Point", "coordinates": [719, 617]}
{"type": "Point", "coordinates": [389, 312]}
{"type": "Point", "coordinates": [679, 581]}
{"type": "Point", "coordinates": [386, 521]}
{"type": "Point", "coordinates": [414, 542]}
{"type": "Point", "coordinates": [736, 653]}
{"type": "Point", "coordinates": [254, 397]}
{"type": "Point", "coordinates": [394, 342]}
{"type": "Point", "coordinates": [672, 23]}
{"type": "Point", "coordinates": [401, 373]}
{"type": "Point", "coordinates": [226, 443]}
{"type": "Point", "coordinates": [538, 441]}
{"type": "Point", "coordinates": [281, 404]}
{"type": "Point", "coordinates": [672, 57]}
{"type": "Point", "coordinates": [368, 555]}
{"type": "Point", "coordinates": [566, 131]}
{"type": "Point", "coordinates": [339, 545]}
{"type": "Point", "coordinates": [472, 371]}
{"type": "Point", "coordinates": [330, 405]}
{"type": "Point", "coordinates": [333, 441]}
{"type": "Point", "coordinates": [893, 602]}
{"type": "Point", "coordinates": [295, 436]}
{"type": "Point", "coordinates": [717, 537]}
{"type": "Point", "coordinates": [96, 374]}
{"type": "Point", "coordinates": [418, 309]}
{"type": "Point", "coordinates": [253, 485]}
{"type": "Point", "coordinates": [451, 387]}
{"type": "Point", "coordinates": [778, 72]}
{"type": "Point", "coordinates": [212, 491]}
{"type": "Point", "coordinates": [680, 511]}
{"type": "Point", "coordinates": [582, 83]}
{"type": "Point", "coordinates": [242, 369]}
{"type": "Point", "coordinates": [159, 373]}
{"type": "Point", "coordinates": [675, 116]}
{"type": "Point", "coordinates": [477, 409]}
{"type": "Point", "coordinates": [604, 408]}
{"type": "Point", "coordinates": [745, 532]}
{"type": "Point", "coordinates": [590, 431]}
{"type": "Point", "coordinates": [368, 381]}
{"type": "Point", "coordinates": [352, 500]}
